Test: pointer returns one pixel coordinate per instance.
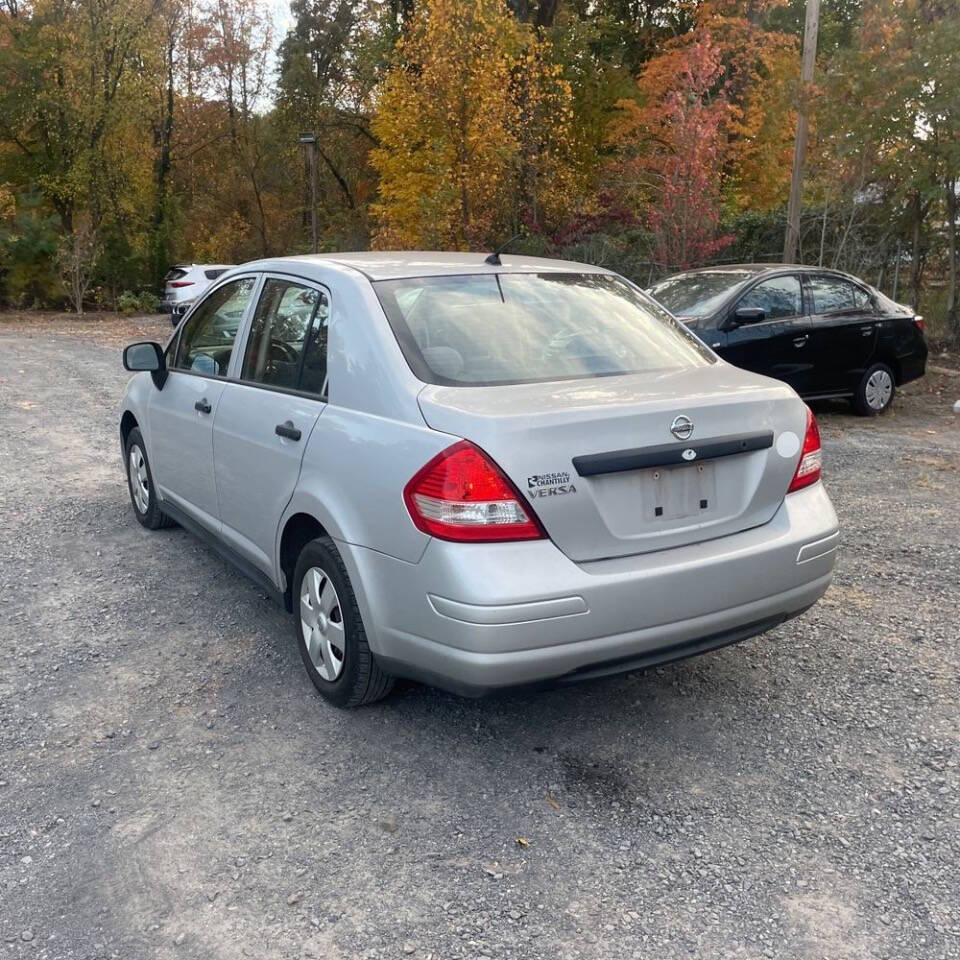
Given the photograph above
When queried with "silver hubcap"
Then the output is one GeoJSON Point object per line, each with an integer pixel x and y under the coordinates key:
{"type": "Point", "coordinates": [879, 389]}
{"type": "Point", "coordinates": [322, 623]}
{"type": "Point", "coordinates": [139, 481]}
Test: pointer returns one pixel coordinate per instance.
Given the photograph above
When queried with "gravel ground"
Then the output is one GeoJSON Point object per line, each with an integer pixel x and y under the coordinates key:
{"type": "Point", "coordinates": [171, 786]}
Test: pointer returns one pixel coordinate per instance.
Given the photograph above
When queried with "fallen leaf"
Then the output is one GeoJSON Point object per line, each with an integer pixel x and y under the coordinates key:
{"type": "Point", "coordinates": [552, 800]}
{"type": "Point", "coordinates": [523, 842]}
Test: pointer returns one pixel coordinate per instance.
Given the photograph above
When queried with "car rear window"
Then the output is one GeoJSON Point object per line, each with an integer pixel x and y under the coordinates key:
{"type": "Point", "coordinates": [698, 294]}
{"type": "Point", "coordinates": [174, 273]}
{"type": "Point", "coordinates": [486, 329]}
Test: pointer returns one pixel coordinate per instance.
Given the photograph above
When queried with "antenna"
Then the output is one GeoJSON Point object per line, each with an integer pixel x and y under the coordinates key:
{"type": "Point", "coordinates": [494, 258]}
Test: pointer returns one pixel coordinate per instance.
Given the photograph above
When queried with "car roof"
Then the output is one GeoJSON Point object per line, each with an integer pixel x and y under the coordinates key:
{"type": "Point", "coordinates": [394, 264]}
{"type": "Point", "coordinates": [758, 269]}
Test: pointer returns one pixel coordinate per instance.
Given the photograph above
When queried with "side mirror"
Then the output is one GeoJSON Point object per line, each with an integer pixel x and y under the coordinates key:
{"type": "Point", "coordinates": [146, 356]}
{"type": "Point", "coordinates": [749, 315]}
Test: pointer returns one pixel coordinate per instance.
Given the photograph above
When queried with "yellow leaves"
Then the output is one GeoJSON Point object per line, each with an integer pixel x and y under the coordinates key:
{"type": "Point", "coordinates": [471, 103]}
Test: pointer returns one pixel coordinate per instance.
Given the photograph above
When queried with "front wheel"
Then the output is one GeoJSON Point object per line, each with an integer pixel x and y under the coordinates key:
{"type": "Point", "coordinates": [330, 633]}
{"type": "Point", "coordinates": [140, 483]}
{"type": "Point", "coordinates": [875, 391]}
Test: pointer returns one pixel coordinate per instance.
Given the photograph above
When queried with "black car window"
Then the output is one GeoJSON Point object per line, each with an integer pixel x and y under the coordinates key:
{"type": "Point", "coordinates": [778, 297]}
{"type": "Point", "coordinates": [206, 341]}
{"type": "Point", "coordinates": [279, 333]}
{"type": "Point", "coordinates": [836, 295]}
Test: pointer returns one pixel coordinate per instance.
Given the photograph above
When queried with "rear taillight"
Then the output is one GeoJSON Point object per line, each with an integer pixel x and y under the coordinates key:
{"type": "Point", "coordinates": [461, 494]}
{"type": "Point", "coordinates": [181, 283]}
{"type": "Point", "coordinates": [811, 457]}
{"type": "Point", "coordinates": [919, 324]}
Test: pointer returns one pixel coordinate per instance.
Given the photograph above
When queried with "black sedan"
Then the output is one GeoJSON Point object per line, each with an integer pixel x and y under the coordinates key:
{"type": "Point", "coordinates": [825, 333]}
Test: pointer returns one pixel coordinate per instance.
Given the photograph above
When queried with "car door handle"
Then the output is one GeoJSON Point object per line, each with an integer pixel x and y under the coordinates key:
{"type": "Point", "coordinates": [287, 429]}
{"type": "Point", "coordinates": [867, 330]}
{"type": "Point", "coordinates": [203, 406]}
{"type": "Point", "coordinates": [800, 341]}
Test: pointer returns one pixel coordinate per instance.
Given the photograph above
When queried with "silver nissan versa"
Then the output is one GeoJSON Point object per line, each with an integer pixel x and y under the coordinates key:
{"type": "Point", "coordinates": [477, 473]}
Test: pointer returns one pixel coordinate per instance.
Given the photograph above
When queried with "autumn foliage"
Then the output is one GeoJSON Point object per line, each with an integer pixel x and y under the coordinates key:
{"type": "Point", "coordinates": [647, 136]}
{"type": "Point", "coordinates": [474, 130]}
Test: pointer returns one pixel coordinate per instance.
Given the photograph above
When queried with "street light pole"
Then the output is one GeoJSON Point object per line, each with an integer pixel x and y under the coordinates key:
{"type": "Point", "coordinates": [310, 141]}
{"type": "Point", "coordinates": [791, 239]}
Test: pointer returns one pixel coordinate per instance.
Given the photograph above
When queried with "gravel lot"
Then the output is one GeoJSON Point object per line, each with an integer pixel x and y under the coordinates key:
{"type": "Point", "coordinates": [171, 786]}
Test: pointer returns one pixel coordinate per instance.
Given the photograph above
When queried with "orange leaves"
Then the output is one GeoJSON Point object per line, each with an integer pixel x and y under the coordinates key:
{"type": "Point", "coordinates": [711, 128]}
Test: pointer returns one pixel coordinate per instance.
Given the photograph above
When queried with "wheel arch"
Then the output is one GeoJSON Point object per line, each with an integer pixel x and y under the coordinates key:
{"type": "Point", "coordinates": [893, 363]}
{"type": "Point", "coordinates": [127, 423]}
{"type": "Point", "coordinates": [298, 530]}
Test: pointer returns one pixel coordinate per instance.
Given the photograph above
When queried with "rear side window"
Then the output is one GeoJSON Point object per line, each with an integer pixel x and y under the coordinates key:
{"type": "Point", "coordinates": [287, 343]}
{"type": "Point", "coordinates": [778, 297]}
{"type": "Point", "coordinates": [214, 274]}
{"type": "Point", "coordinates": [485, 329]}
{"type": "Point", "coordinates": [206, 341]}
{"type": "Point", "coordinates": [836, 295]}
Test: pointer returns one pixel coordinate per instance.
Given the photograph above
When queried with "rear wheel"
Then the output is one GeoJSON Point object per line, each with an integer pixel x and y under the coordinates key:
{"type": "Point", "coordinates": [140, 483]}
{"type": "Point", "coordinates": [875, 391]}
{"type": "Point", "coordinates": [330, 633]}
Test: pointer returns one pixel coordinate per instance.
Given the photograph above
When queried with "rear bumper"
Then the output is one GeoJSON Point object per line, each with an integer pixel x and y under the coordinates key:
{"type": "Point", "coordinates": [913, 365]}
{"type": "Point", "coordinates": [473, 618]}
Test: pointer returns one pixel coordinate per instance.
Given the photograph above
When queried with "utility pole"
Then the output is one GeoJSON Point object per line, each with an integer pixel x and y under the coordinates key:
{"type": "Point", "coordinates": [309, 140]}
{"type": "Point", "coordinates": [792, 238]}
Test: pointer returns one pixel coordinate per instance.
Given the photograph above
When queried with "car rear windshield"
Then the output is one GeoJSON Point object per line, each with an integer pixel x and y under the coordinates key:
{"type": "Point", "coordinates": [174, 273]}
{"type": "Point", "coordinates": [486, 329]}
{"type": "Point", "coordinates": [698, 294]}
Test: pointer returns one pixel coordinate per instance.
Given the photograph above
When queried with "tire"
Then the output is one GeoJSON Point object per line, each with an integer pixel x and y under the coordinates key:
{"type": "Point", "coordinates": [146, 506]}
{"type": "Point", "coordinates": [876, 391]}
{"type": "Point", "coordinates": [329, 623]}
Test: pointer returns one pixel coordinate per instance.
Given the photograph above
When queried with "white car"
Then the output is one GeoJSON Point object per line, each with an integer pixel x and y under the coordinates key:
{"type": "Point", "coordinates": [184, 282]}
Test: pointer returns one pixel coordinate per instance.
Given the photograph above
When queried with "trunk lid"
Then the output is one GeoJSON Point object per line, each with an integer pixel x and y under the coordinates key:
{"type": "Point", "coordinates": [650, 495]}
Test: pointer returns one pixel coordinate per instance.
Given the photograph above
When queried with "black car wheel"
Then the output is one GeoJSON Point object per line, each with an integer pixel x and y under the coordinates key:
{"type": "Point", "coordinates": [330, 634]}
{"type": "Point", "coordinates": [875, 391]}
{"type": "Point", "coordinates": [140, 483]}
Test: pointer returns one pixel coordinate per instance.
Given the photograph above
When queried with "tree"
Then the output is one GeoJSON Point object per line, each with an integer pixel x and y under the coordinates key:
{"type": "Point", "coordinates": [672, 153]}
{"type": "Point", "coordinates": [887, 134]}
{"type": "Point", "coordinates": [76, 259]}
{"type": "Point", "coordinates": [330, 63]}
{"type": "Point", "coordinates": [473, 123]}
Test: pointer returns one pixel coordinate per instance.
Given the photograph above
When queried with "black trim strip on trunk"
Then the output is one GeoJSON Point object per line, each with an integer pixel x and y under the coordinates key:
{"type": "Point", "coordinates": [670, 454]}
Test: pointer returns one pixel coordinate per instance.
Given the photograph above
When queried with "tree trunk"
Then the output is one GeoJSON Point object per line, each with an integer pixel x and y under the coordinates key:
{"type": "Point", "coordinates": [916, 207]}
{"type": "Point", "coordinates": [163, 165]}
{"type": "Point", "coordinates": [953, 309]}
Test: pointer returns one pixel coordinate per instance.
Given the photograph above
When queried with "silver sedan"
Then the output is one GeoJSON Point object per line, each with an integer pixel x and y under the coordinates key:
{"type": "Point", "coordinates": [476, 473]}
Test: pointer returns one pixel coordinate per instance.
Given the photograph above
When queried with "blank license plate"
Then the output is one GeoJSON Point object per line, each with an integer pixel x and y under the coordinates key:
{"type": "Point", "coordinates": [676, 493]}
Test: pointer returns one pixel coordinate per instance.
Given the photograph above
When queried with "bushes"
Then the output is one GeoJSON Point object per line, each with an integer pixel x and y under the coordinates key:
{"type": "Point", "coordinates": [129, 303]}
{"type": "Point", "coordinates": [149, 302]}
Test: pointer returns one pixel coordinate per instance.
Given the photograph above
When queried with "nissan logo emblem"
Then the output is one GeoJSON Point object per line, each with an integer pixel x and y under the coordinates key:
{"type": "Point", "coordinates": [682, 427]}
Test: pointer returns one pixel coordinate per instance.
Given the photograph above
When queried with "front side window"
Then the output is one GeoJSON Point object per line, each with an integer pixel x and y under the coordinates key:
{"type": "Point", "coordinates": [836, 295]}
{"type": "Point", "coordinates": [206, 341]}
{"type": "Point", "coordinates": [485, 329]}
{"type": "Point", "coordinates": [778, 298]}
{"type": "Point", "coordinates": [280, 334]}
